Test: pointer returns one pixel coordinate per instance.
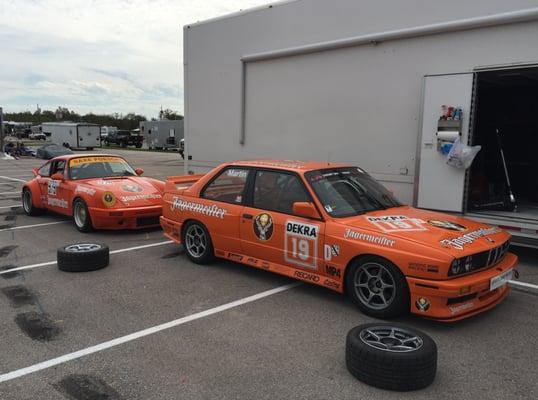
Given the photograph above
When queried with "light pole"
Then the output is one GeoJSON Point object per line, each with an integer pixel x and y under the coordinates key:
{"type": "Point", "coordinates": [1, 131]}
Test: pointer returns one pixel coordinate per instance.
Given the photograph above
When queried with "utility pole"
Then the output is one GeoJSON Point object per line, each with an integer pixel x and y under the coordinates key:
{"type": "Point", "coordinates": [1, 131]}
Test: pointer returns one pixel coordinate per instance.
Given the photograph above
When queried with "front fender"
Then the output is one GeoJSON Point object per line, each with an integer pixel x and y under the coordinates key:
{"type": "Point", "coordinates": [33, 186]}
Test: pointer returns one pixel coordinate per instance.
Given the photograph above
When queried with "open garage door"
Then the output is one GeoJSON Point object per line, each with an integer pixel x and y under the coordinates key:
{"type": "Point", "coordinates": [440, 186]}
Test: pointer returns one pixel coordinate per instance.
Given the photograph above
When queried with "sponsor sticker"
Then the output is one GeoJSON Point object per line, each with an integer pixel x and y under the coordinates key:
{"type": "Point", "coordinates": [84, 189]}
{"type": "Point", "coordinates": [366, 237]}
{"type": "Point", "coordinates": [145, 196]}
{"type": "Point", "coordinates": [422, 304]}
{"type": "Point", "coordinates": [333, 271]}
{"type": "Point", "coordinates": [210, 210]}
{"type": "Point", "coordinates": [460, 241]}
{"type": "Point", "coordinates": [451, 226]}
{"type": "Point", "coordinates": [331, 284]}
{"type": "Point", "coordinates": [52, 187]}
{"type": "Point", "coordinates": [301, 243]}
{"type": "Point", "coordinates": [237, 173]}
{"type": "Point", "coordinates": [109, 199]}
{"type": "Point", "coordinates": [263, 226]}
{"type": "Point", "coordinates": [330, 251]}
{"type": "Point", "coordinates": [129, 187]}
{"type": "Point", "coordinates": [306, 276]}
{"type": "Point", "coordinates": [102, 182]}
{"type": "Point", "coordinates": [89, 160]}
{"type": "Point", "coordinates": [397, 223]}
{"type": "Point", "coordinates": [458, 309]}
{"type": "Point", "coordinates": [55, 202]}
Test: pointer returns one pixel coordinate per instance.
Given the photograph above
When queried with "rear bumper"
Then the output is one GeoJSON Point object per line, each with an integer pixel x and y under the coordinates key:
{"type": "Point", "coordinates": [125, 218]}
{"type": "Point", "coordinates": [171, 228]}
{"type": "Point", "coordinates": [459, 298]}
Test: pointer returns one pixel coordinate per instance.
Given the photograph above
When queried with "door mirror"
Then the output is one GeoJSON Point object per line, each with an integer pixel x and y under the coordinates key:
{"type": "Point", "coordinates": [305, 209]}
{"type": "Point", "coordinates": [35, 171]}
{"type": "Point", "coordinates": [58, 176]}
{"type": "Point", "coordinates": [139, 171]}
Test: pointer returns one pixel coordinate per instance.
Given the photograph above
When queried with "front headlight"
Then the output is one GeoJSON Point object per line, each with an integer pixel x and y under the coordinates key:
{"type": "Point", "coordinates": [456, 267]}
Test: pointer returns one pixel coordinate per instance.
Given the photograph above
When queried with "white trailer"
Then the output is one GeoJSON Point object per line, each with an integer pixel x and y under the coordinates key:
{"type": "Point", "coordinates": [364, 82]}
{"type": "Point", "coordinates": [73, 135]}
{"type": "Point", "coordinates": [162, 134]}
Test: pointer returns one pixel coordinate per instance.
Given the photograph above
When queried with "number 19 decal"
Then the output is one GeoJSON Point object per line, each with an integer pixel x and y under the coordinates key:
{"type": "Point", "coordinates": [301, 244]}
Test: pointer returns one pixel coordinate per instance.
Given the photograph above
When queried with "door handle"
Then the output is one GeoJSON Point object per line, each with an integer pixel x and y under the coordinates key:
{"type": "Point", "coordinates": [248, 216]}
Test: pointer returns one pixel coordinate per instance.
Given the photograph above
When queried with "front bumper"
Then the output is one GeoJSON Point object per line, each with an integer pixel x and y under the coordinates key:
{"type": "Point", "coordinates": [458, 298]}
{"type": "Point", "coordinates": [125, 218]}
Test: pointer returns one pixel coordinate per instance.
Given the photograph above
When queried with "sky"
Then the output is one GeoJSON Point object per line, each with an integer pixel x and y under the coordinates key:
{"type": "Point", "coordinates": [100, 56]}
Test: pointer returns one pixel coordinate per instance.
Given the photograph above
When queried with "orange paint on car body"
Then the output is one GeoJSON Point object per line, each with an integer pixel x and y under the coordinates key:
{"type": "Point", "coordinates": [114, 202]}
{"type": "Point", "coordinates": [451, 264]}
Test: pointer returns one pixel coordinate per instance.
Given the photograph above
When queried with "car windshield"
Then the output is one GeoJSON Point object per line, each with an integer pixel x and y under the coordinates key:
{"type": "Point", "coordinates": [99, 167]}
{"type": "Point", "coordinates": [344, 192]}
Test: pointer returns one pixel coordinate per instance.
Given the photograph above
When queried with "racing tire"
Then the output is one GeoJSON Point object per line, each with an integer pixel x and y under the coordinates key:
{"type": "Point", "coordinates": [391, 357]}
{"type": "Point", "coordinates": [83, 257]}
{"type": "Point", "coordinates": [377, 287]}
{"type": "Point", "coordinates": [138, 145]}
{"type": "Point", "coordinates": [197, 243]}
{"type": "Point", "coordinates": [28, 204]}
{"type": "Point", "coordinates": [81, 216]}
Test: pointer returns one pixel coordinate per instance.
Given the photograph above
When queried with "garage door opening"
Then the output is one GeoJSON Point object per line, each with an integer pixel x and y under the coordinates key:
{"type": "Point", "coordinates": [506, 119]}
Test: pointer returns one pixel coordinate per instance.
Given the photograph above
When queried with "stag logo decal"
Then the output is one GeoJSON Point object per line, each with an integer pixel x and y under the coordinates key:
{"type": "Point", "coordinates": [263, 226]}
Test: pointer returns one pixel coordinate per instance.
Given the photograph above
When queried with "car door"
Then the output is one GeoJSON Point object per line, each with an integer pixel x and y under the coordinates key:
{"type": "Point", "coordinates": [220, 206]}
{"type": "Point", "coordinates": [57, 193]}
{"type": "Point", "coordinates": [269, 229]}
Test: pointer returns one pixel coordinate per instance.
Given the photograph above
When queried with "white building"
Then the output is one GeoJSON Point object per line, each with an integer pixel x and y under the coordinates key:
{"type": "Point", "coordinates": [363, 82]}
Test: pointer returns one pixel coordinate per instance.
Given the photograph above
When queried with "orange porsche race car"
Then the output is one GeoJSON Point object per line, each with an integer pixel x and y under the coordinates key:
{"type": "Point", "coordinates": [99, 191]}
{"type": "Point", "coordinates": [335, 226]}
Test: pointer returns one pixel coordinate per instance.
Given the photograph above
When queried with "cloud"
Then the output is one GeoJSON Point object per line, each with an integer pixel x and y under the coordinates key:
{"type": "Point", "coordinates": [100, 55]}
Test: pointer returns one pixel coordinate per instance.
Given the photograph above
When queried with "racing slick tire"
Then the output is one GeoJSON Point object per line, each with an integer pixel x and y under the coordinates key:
{"type": "Point", "coordinates": [377, 287]}
{"type": "Point", "coordinates": [81, 216]}
{"type": "Point", "coordinates": [391, 357]}
{"type": "Point", "coordinates": [197, 243]}
{"type": "Point", "coordinates": [82, 257]}
{"type": "Point", "coordinates": [28, 204]}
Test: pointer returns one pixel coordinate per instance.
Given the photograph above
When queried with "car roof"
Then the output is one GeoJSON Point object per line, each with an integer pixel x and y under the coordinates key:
{"type": "Point", "coordinates": [294, 165]}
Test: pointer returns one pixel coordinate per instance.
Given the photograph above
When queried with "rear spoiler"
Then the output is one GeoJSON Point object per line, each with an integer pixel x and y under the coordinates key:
{"type": "Point", "coordinates": [182, 182]}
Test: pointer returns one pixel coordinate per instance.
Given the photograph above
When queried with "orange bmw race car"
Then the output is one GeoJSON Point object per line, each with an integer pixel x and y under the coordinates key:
{"type": "Point", "coordinates": [335, 226]}
{"type": "Point", "coordinates": [99, 191]}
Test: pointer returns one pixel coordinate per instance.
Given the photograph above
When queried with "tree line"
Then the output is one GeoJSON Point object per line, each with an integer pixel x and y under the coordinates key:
{"type": "Point", "coordinates": [121, 121]}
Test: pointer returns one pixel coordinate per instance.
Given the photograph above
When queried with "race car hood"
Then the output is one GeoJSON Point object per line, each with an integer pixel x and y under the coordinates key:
{"type": "Point", "coordinates": [130, 191]}
{"type": "Point", "coordinates": [454, 235]}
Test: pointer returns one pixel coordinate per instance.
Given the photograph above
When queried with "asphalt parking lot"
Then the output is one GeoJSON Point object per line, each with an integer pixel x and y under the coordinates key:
{"type": "Point", "coordinates": [274, 339]}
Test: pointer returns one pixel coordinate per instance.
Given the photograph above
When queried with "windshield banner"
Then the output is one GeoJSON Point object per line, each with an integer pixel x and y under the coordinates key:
{"type": "Point", "coordinates": [88, 160]}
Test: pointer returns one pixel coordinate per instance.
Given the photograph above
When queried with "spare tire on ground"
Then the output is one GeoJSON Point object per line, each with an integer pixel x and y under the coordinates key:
{"type": "Point", "coordinates": [391, 356]}
{"type": "Point", "coordinates": [82, 257]}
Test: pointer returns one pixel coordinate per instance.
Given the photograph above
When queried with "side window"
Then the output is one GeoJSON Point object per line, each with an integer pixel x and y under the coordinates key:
{"type": "Point", "coordinates": [58, 166]}
{"type": "Point", "coordinates": [228, 187]}
{"type": "Point", "coordinates": [44, 170]}
{"type": "Point", "coordinates": [277, 191]}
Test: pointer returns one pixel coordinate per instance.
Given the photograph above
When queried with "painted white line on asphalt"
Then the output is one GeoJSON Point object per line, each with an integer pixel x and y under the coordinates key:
{"type": "Point", "coordinates": [15, 228]}
{"type": "Point", "coordinates": [44, 264]}
{"type": "Point", "coordinates": [10, 183]}
{"type": "Point", "coordinates": [14, 205]}
{"type": "Point", "coordinates": [13, 179]}
{"type": "Point", "coordinates": [145, 332]}
{"type": "Point", "coordinates": [17, 191]}
{"type": "Point", "coordinates": [524, 284]}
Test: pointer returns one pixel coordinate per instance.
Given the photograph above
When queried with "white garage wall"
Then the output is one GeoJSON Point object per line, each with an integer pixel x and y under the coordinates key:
{"type": "Point", "coordinates": [359, 104]}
